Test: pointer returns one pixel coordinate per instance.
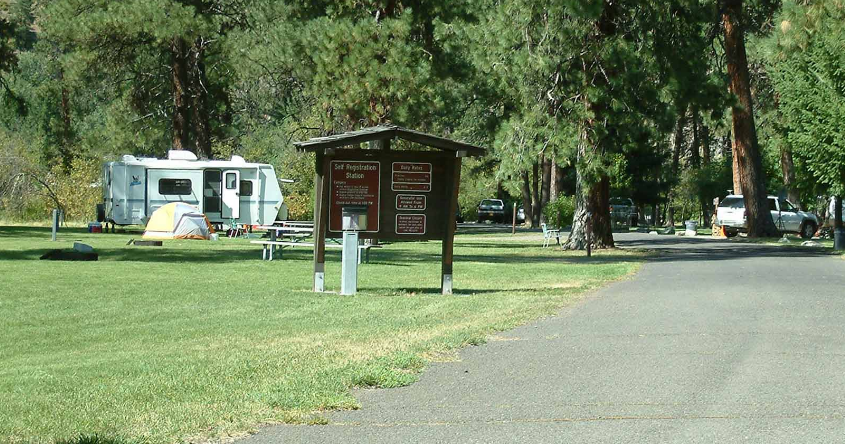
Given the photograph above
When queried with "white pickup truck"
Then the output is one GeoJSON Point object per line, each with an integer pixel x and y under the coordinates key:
{"type": "Point", "coordinates": [787, 218]}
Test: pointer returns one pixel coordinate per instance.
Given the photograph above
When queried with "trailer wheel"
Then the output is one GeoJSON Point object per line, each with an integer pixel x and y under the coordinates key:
{"type": "Point", "coordinates": [101, 213]}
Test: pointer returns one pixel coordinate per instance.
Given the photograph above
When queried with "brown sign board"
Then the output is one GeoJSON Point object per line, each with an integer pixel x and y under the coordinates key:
{"type": "Point", "coordinates": [407, 192]}
{"type": "Point", "coordinates": [354, 183]}
{"type": "Point", "coordinates": [410, 224]}
{"type": "Point", "coordinates": [411, 176]}
{"type": "Point", "coordinates": [411, 202]}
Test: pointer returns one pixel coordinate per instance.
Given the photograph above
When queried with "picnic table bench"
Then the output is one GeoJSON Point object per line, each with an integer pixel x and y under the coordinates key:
{"type": "Point", "coordinates": [269, 246]}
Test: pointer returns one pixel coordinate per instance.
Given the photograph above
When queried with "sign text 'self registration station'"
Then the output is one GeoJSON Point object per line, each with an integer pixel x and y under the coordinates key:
{"type": "Point", "coordinates": [354, 183]}
{"type": "Point", "coordinates": [408, 195]}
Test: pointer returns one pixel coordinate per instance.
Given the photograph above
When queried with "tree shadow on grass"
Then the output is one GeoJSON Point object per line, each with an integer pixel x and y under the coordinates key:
{"type": "Point", "coordinates": [512, 253]}
{"type": "Point", "coordinates": [673, 249]}
{"type": "Point", "coordinates": [45, 232]}
{"type": "Point", "coordinates": [384, 256]}
{"type": "Point", "coordinates": [537, 246]}
{"type": "Point", "coordinates": [160, 255]}
{"type": "Point", "coordinates": [427, 291]}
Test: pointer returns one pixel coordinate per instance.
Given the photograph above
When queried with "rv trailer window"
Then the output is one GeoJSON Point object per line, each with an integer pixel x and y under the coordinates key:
{"type": "Point", "coordinates": [174, 187]}
{"type": "Point", "coordinates": [246, 188]}
{"type": "Point", "coordinates": [231, 181]}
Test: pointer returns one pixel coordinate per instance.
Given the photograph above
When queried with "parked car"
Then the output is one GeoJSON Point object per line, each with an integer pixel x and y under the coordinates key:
{"type": "Point", "coordinates": [787, 218]}
{"type": "Point", "coordinates": [520, 215]}
{"type": "Point", "coordinates": [623, 211]}
{"type": "Point", "coordinates": [491, 209]}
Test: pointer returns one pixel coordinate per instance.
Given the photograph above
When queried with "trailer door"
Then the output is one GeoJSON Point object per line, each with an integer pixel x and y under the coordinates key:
{"type": "Point", "coordinates": [231, 194]}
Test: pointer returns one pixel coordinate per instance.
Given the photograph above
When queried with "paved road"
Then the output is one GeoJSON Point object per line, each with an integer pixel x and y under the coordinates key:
{"type": "Point", "coordinates": [713, 342]}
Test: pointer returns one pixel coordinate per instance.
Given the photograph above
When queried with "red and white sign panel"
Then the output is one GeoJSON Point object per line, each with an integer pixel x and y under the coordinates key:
{"type": "Point", "coordinates": [354, 183]}
{"type": "Point", "coordinates": [410, 224]}
{"type": "Point", "coordinates": [411, 176]}
{"type": "Point", "coordinates": [411, 202]}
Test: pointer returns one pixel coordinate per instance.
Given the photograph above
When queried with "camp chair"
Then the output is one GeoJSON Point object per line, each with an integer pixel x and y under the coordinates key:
{"type": "Point", "coordinates": [235, 229]}
{"type": "Point", "coordinates": [548, 234]}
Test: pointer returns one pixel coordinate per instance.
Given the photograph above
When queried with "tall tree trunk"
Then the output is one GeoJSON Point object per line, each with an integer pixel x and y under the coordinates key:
{"type": "Point", "coordinates": [545, 186]}
{"type": "Point", "coordinates": [526, 199]}
{"type": "Point", "coordinates": [600, 208]}
{"type": "Point", "coordinates": [66, 136]}
{"type": "Point", "coordinates": [705, 145]}
{"type": "Point", "coordinates": [695, 147]}
{"type": "Point", "coordinates": [677, 147]}
{"type": "Point", "coordinates": [199, 101]}
{"type": "Point", "coordinates": [535, 202]}
{"type": "Point", "coordinates": [788, 169]}
{"type": "Point", "coordinates": [591, 200]}
{"type": "Point", "coordinates": [746, 148]}
{"type": "Point", "coordinates": [655, 214]}
{"type": "Point", "coordinates": [558, 182]}
{"type": "Point", "coordinates": [737, 177]}
{"type": "Point", "coordinates": [554, 191]}
{"type": "Point", "coordinates": [578, 234]}
{"type": "Point", "coordinates": [500, 190]}
{"type": "Point", "coordinates": [179, 80]}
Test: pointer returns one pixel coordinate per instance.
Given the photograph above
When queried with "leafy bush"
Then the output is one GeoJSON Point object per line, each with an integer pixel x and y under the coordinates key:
{"type": "Point", "coordinates": [561, 211]}
{"type": "Point", "coordinates": [78, 191]}
{"type": "Point", "coordinates": [300, 206]}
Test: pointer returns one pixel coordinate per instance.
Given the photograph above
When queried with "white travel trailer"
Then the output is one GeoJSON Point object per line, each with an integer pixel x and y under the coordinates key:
{"type": "Point", "coordinates": [227, 191]}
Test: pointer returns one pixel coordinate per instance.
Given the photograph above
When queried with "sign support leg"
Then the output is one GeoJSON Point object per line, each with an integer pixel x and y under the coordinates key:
{"type": "Point", "coordinates": [321, 207]}
{"type": "Point", "coordinates": [454, 170]}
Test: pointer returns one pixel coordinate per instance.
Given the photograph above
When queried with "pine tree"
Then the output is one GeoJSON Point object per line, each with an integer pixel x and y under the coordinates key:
{"type": "Point", "coordinates": [806, 65]}
{"type": "Point", "coordinates": [589, 81]}
{"type": "Point", "coordinates": [746, 149]}
{"type": "Point", "coordinates": [159, 50]}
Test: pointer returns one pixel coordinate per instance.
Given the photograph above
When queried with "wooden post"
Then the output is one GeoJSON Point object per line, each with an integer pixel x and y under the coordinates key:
{"type": "Point", "coordinates": [453, 176]}
{"type": "Point", "coordinates": [383, 145]}
{"type": "Point", "coordinates": [321, 207]}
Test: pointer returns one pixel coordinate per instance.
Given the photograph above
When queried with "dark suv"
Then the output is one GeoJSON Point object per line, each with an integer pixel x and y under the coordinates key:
{"type": "Point", "coordinates": [623, 212]}
{"type": "Point", "coordinates": [491, 209]}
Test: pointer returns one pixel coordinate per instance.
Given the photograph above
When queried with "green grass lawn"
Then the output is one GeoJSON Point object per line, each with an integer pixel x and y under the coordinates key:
{"type": "Point", "coordinates": [202, 340]}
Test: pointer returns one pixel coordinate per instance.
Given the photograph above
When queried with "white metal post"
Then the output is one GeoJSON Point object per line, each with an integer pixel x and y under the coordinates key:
{"type": "Point", "coordinates": [55, 223]}
{"type": "Point", "coordinates": [349, 263]}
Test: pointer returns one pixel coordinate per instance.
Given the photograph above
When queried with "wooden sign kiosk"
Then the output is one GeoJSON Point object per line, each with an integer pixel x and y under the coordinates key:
{"type": "Point", "coordinates": [406, 195]}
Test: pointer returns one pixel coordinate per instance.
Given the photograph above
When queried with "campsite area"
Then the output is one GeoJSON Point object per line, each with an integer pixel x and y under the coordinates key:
{"type": "Point", "coordinates": [202, 339]}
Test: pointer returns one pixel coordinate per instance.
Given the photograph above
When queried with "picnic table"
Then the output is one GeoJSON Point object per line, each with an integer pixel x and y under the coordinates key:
{"type": "Point", "coordinates": [293, 234]}
{"type": "Point", "coordinates": [284, 235]}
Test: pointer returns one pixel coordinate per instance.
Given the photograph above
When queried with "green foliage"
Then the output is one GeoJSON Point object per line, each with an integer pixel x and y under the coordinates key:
{"type": "Point", "coordinates": [698, 187]}
{"type": "Point", "coordinates": [561, 211]}
{"type": "Point", "coordinates": [806, 65]}
{"type": "Point", "coordinates": [478, 182]}
{"type": "Point", "coordinates": [300, 206]}
{"type": "Point", "coordinates": [359, 65]}
{"type": "Point", "coordinates": [78, 190]}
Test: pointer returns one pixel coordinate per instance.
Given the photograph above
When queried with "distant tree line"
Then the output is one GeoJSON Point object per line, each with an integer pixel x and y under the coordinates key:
{"type": "Point", "coordinates": [671, 103]}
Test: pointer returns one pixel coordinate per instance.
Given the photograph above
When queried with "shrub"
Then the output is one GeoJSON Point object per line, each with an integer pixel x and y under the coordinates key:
{"type": "Point", "coordinates": [300, 206]}
{"type": "Point", "coordinates": [561, 211]}
{"type": "Point", "coordinates": [78, 190]}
